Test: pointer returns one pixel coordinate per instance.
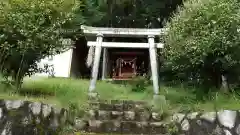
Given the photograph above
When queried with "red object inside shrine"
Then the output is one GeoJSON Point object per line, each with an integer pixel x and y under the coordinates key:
{"type": "Point", "coordinates": [125, 65]}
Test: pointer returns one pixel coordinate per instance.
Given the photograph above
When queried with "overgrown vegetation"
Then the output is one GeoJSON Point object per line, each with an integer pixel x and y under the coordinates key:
{"type": "Point", "coordinates": [202, 44]}
{"type": "Point", "coordinates": [139, 84]}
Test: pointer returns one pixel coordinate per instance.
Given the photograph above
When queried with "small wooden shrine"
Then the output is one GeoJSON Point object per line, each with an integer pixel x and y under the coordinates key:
{"type": "Point", "coordinates": [125, 66]}
{"type": "Point", "coordinates": [123, 60]}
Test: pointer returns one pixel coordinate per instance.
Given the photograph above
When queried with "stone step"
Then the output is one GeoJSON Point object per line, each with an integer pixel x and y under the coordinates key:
{"type": "Point", "coordinates": [117, 105]}
{"type": "Point", "coordinates": [124, 115]}
{"type": "Point", "coordinates": [123, 127]}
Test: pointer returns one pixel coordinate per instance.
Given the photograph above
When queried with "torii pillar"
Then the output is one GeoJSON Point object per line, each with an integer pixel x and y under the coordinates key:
{"type": "Point", "coordinates": [95, 69]}
{"type": "Point", "coordinates": [154, 64]}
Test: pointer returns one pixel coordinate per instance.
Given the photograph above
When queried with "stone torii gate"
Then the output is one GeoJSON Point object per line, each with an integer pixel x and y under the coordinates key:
{"type": "Point", "coordinates": [100, 33]}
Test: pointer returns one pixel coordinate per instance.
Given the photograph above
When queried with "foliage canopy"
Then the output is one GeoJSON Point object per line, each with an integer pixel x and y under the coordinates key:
{"type": "Point", "coordinates": [128, 13]}
{"type": "Point", "coordinates": [203, 42]}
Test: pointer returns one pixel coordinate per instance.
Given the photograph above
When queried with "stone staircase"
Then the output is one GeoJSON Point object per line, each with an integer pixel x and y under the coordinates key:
{"type": "Point", "coordinates": [121, 117]}
{"type": "Point", "coordinates": [132, 118]}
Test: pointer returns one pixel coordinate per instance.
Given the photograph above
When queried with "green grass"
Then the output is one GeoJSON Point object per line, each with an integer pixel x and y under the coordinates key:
{"type": "Point", "coordinates": [63, 92]}
{"type": "Point", "coordinates": [185, 99]}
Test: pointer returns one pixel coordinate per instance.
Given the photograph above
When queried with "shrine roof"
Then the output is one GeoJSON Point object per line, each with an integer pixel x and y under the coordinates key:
{"type": "Point", "coordinates": [122, 32]}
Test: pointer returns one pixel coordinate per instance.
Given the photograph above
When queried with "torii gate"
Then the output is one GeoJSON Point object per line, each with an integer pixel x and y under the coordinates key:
{"type": "Point", "coordinates": [123, 32]}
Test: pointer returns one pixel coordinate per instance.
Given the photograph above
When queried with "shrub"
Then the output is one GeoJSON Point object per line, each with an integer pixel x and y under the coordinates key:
{"type": "Point", "coordinates": [203, 42]}
{"type": "Point", "coordinates": [139, 84]}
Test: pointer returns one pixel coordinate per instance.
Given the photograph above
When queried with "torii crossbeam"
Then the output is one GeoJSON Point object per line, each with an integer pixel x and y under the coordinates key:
{"type": "Point", "coordinates": [100, 33]}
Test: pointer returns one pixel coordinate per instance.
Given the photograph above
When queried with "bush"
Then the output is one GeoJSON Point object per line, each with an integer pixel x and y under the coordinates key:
{"type": "Point", "coordinates": [139, 84]}
{"type": "Point", "coordinates": [203, 42]}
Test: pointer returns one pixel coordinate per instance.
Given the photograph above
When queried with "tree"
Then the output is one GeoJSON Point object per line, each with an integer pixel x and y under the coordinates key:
{"type": "Point", "coordinates": [129, 13]}
{"type": "Point", "coordinates": [203, 42]}
{"type": "Point", "coordinates": [29, 32]}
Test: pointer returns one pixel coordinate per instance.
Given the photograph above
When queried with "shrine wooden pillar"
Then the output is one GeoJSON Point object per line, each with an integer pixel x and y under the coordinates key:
{"type": "Point", "coordinates": [96, 62]}
{"type": "Point", "coordinates": [104, 64]}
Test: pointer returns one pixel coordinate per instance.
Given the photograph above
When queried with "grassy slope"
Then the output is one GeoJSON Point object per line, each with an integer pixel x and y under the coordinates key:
{"type": "Point", "coordinates": [65, 90]}
{"type": "Point", "coordinates": [61, 92]}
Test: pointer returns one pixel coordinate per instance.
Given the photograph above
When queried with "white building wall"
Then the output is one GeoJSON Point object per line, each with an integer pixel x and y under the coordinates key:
{"type": "Point", "coordinates": [61, 64]}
